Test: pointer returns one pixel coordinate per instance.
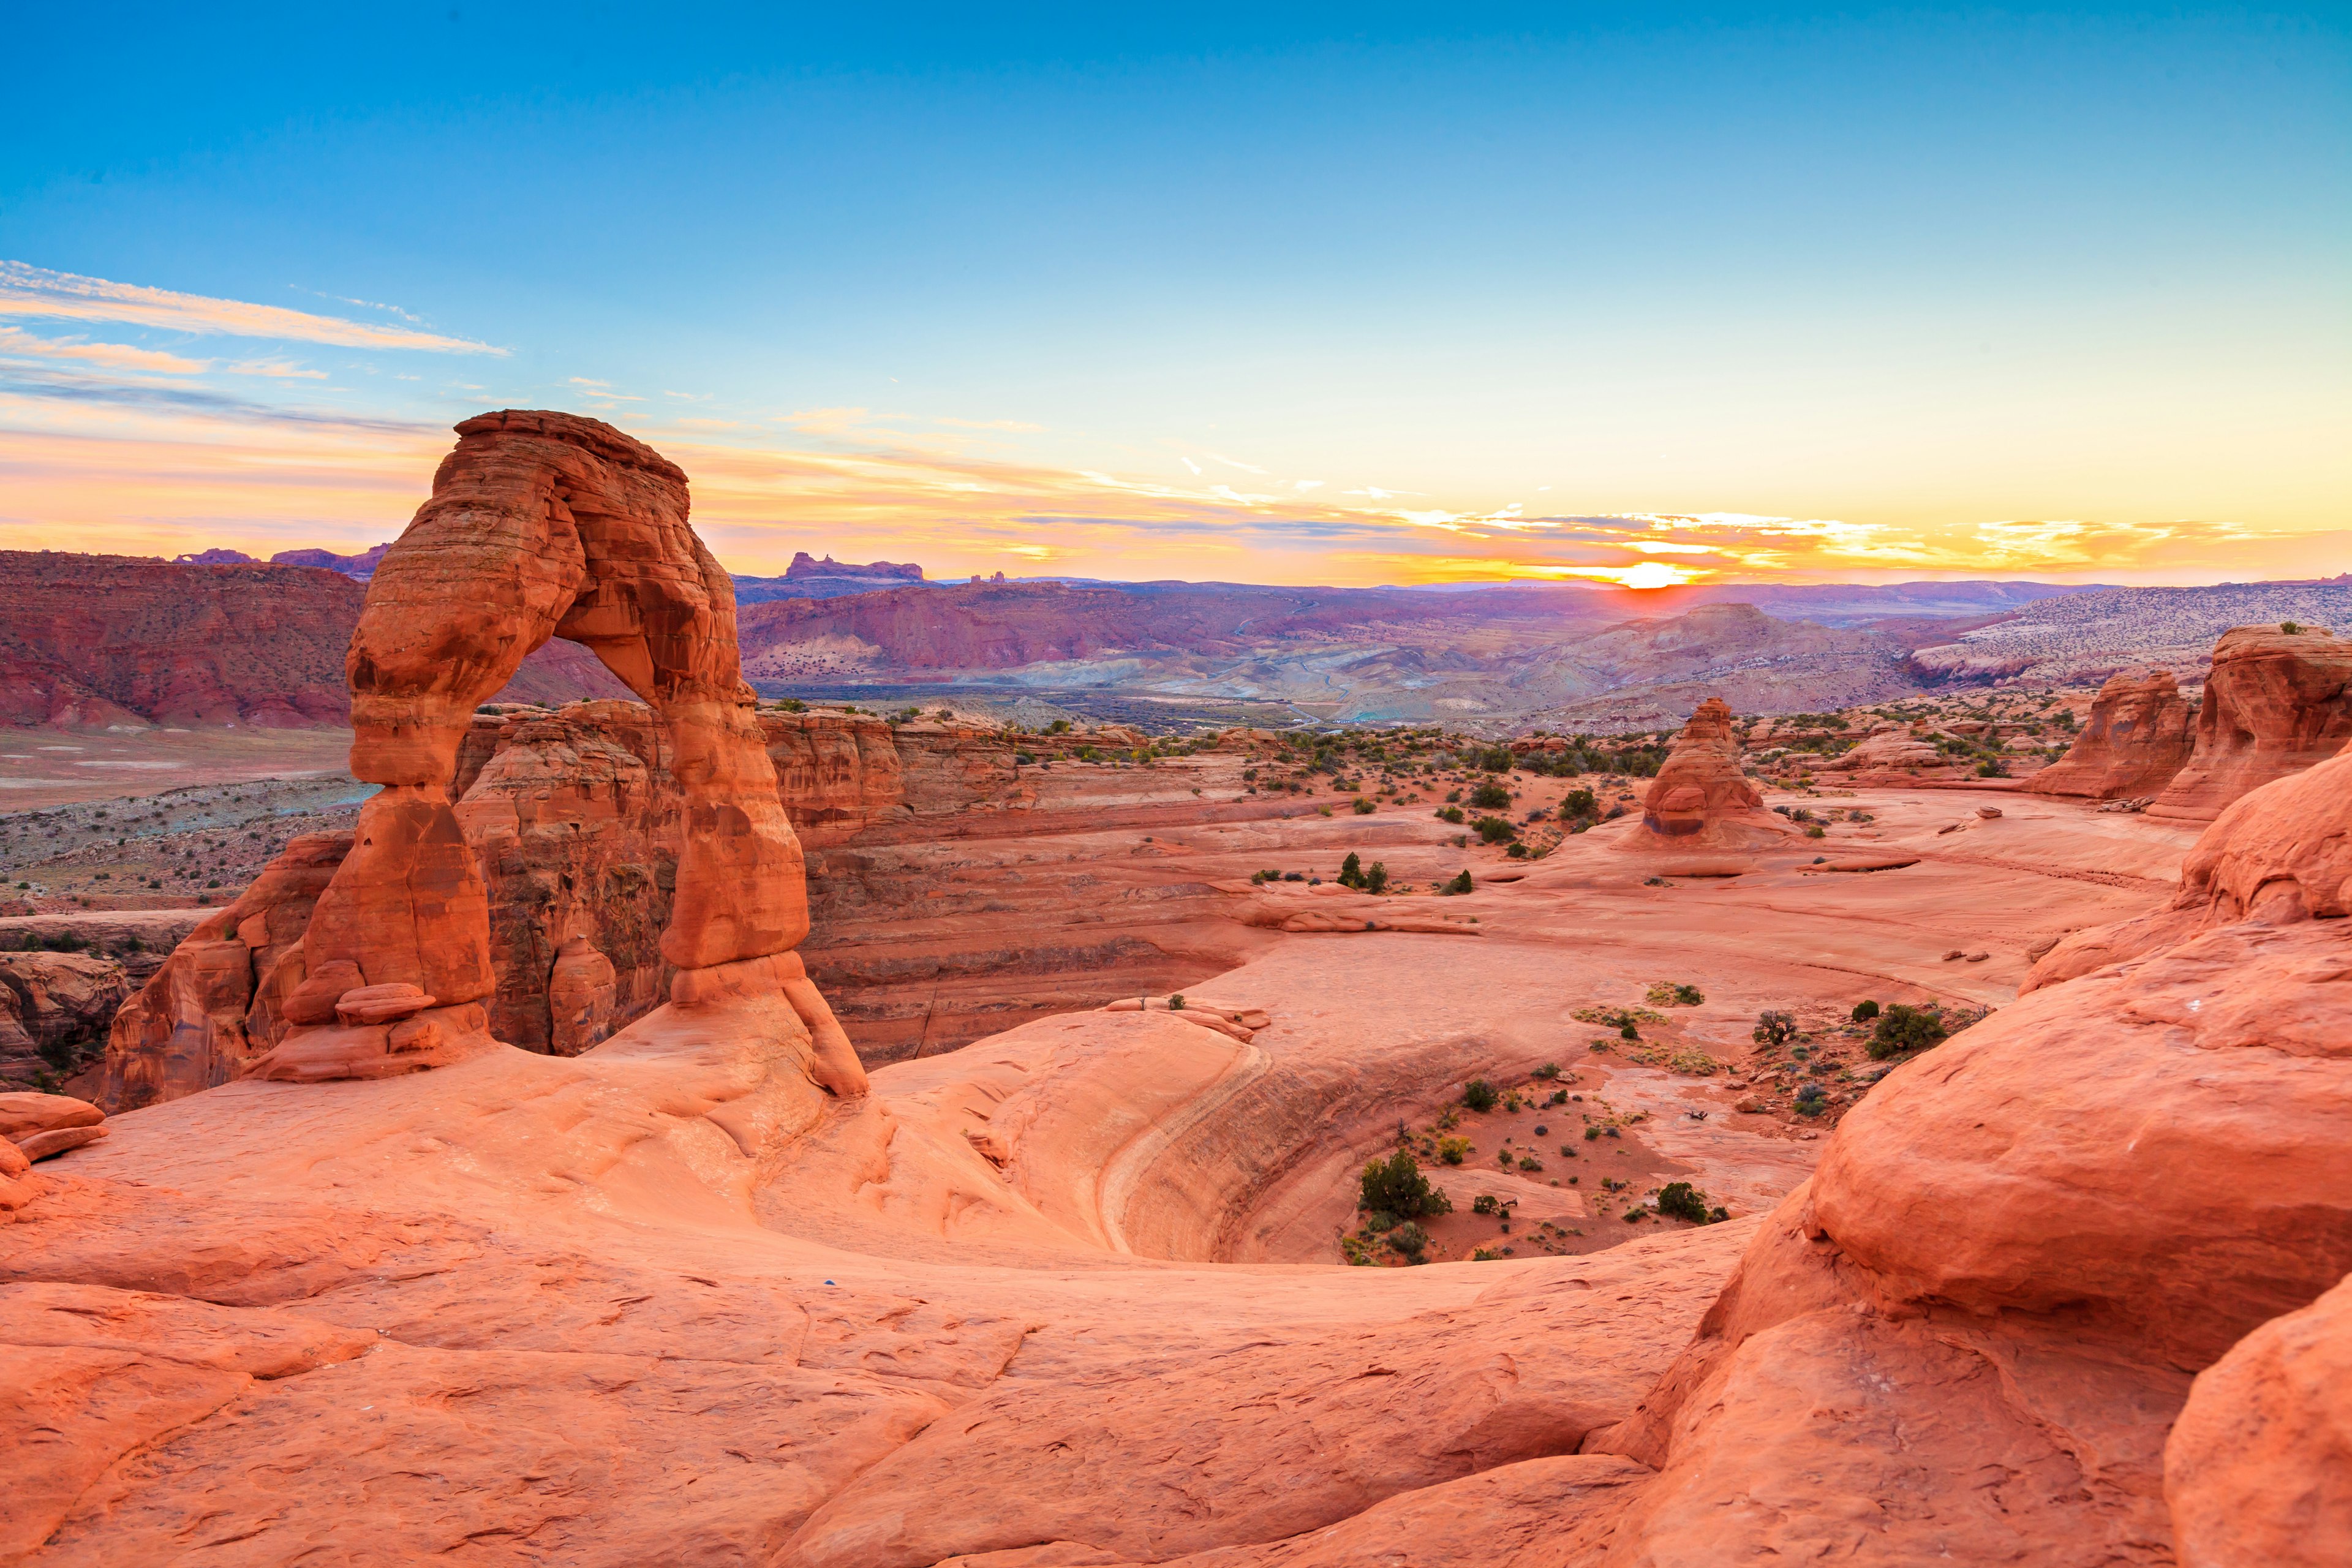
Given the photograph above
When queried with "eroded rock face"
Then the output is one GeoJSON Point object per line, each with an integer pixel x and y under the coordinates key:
{"type": "Point", "coordinates": [53, 1012]}
{"type": "Point", "coordinates": [1700, 799]}
{"type": "Point", "coordinates": [2275, 703]}
{"type": "Point", "coordinates": [540, 525]}
{"type": "Point", "coordinates": [839, 774]}
{"type": "Point", "coordinates": [218, 1003]}
{"type": "Point", "coordinates": [2018, 1249]}
{"type": "Point", "coordinates": [2137, 737]}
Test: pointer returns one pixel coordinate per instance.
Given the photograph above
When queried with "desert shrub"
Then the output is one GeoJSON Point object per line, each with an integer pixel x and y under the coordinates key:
{"type": "Point", "coordinates": [1817, 831]}
{"type": "Point", "coordinates": [1395, 1186]}
{"type": "Point", "coordinates": [1812, 1099]}
{"type": "Point", "coordinates": [1485, 1255]}
{"type": "Point", "coordinates": [1375, 878]}
{"type": "Point", "coordinates": [2290, 628]}
{"type": "Point", "coordinates": [1490, 796]}
{"type": "Point", "coordinates": [1993, 768]}
{"type": "Point", "coordinates": [1903, 1028]}
{"type": "Point", "coordinates": [1680, 1200]}
{"type": "Point", "coordinates": [1664, 995]}
{"type": "Point", "coordinates": [1461, 883]}
{"type": "Point", "coordinates": [1495, 760]}
{"type": "Point", "coordinates": [1410, 1239]}
{"type": "Point", "coordinates": [1449, 814]}
{"type": "Point", "coordinates": [1626, 1031]}
{"type": "Point", "coordinates": [1494, 830]}
{"type": "Point", "coordinates": [1530, 1162]}
{"type": "Point", "coordinates": [1577, 802]}
{"type": "Point", "coordinates": [1550, 1069]}
{"type": "Point", "coordinates": [1364, 807]}
{"type": "Point", "coordinates": [1379, 1220]}
{"type": "Point", "coordinates": [1479, 1095]}
{"type": "Point", "coordinates": [1634, 1215]}
{"type": "Point", "coordinates": [1591, 1133]}
{"type": "Point", "coordinates": [1485, 1203]}
{"type": "Point", "coordinates": [1453, 1151]}
{"type": "Point", "coordinates": [1774, 1028]}
{"type": "Point", "coordinates": [1864, 1011]}
{"type": "Point", "coordinates": [1351, 871]}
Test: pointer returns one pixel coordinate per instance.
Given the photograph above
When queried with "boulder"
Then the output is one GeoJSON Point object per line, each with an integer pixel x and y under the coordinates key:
{"type": "Point", "coordinates": [2138, 735]}
{"type": "Point", "coordinates": [2259, 1467]}
{"type": "Point", "coordinates": [2275, 703]}
{"type": "Point", "coordinates": [24, 1115]}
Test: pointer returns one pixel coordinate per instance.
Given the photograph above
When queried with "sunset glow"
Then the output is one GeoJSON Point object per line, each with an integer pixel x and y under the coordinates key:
{"type": "Point", "coordinates": [1817, 360]}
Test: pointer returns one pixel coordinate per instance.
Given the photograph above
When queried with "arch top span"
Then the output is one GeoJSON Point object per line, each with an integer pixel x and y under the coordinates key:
{"type": "Point", "coordinates": [548, 524]}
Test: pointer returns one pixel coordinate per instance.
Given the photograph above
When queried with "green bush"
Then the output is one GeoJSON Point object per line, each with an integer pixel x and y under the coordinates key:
{"type": "Point", "coordinates": [1479, 1095]}
{"type": "Point", "coordinates": [1591, 1133]}
{"type": "Point", "coordinates": [1577, 802]}
{"type": "Point", "coordinates": [1774, 1028]}
{"type": "Point", "coordinates": [1902, 1028]}
{"type": "Point", "coordinates": [1375, 878]}
{"type": "Point", "coordinates": [1395, 1186]}
{"type": "Point", "coordinates": [1449, 814]}
{"type": "Point", "coordinates": [1490, 796]}
{"type": "Point", "coordinates": [1410, 1239]}
{"type": "Point", "coordinates": [1351, 871]}
{"type": "Point", "coordinates": [1626, 1031]}
{"type": "Point", "coordinates": [1364, 807]}
{"type": "Point", "coordinates": [1864, 1011]}
{"type": "Point", "coordinates": [1453, 1151]}
{"type": "Point", "coordinates": [1461, 883]}
{"type": "Point", "coordinates": [1495, 830]}
{"type": "Point", "coordinates": [1484, 1203]}
{"type": "Point", "coordinates": [1550, 1069]}
{"type": "Point", "coordinates": [1680, 1200]}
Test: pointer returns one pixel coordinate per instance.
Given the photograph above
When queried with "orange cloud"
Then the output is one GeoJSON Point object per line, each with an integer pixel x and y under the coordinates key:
{"type": "Point", "coordinates": [153, 478]}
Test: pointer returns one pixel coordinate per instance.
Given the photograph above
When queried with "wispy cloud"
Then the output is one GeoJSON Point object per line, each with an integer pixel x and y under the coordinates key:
{"type": "Point", "coordinates": [29, 293]}
{"type": "Point", "coordinates": [115, 356]}
{"type": "Point", "coordinates": [276, 369]}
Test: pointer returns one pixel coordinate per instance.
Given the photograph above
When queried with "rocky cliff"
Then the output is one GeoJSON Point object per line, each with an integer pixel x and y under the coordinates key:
{"type": "Point", "coordinates": [2276, 702]}
{"type": "Point", "coordinates": [94, 640]}
{"type": "Point", "coordinates": [2137, 737]}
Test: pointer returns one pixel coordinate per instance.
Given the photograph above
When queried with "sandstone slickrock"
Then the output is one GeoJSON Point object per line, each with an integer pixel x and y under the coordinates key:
{"type": "Point", "coordinates": [2275, 703]}
{"type": "Point", "coordinates": [2140, 734]}
{"type": "Point", "coordinates": [2015, 1252]}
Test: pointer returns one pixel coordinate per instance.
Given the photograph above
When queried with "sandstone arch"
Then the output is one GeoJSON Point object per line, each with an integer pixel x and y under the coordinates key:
{"type": "Point", "coordinates": [545, 524]}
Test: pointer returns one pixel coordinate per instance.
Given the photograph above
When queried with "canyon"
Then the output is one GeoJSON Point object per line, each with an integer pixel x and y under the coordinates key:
{"type": "Point", "coordinates": [1837, 1146]}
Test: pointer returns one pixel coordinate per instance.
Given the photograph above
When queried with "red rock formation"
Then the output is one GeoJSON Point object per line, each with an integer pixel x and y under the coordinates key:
{"type": "Point", "coordinates": [540, 525]}
{"type": "Point", "coordinates": [218, 1003]}
{"type": "Point", "coordinates": [2016, 1250]}
{"type": "Point", "coordinates": [1700, 799]}
{"type": "Point", "coordinates": [2259, 1467]}
{"type": "Point", "coordinates": [839, 774]}
{"type": "Point", "coordinates": [2283, 853]}
{"type": "Point", "coordinates": [2137, 737]}
{"type": "Point", "coordinates": [576, 820]}
{"type": "Point", "coordinates": [2275, 703]}
{"type": "Point", "coordinates": [53, 1008]}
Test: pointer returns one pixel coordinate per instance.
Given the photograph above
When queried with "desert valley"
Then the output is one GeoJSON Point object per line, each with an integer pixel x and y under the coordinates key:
{"type": "Point", "coordinates": [1711, 1085]}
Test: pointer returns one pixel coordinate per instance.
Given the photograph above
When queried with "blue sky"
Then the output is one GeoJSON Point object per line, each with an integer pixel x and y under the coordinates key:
{"type": "Point", "coordinates": [1289, 295]}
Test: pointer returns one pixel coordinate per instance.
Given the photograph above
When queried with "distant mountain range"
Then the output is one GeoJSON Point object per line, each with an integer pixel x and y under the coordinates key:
{"type": "Point", "coordinates": [219, 638]}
